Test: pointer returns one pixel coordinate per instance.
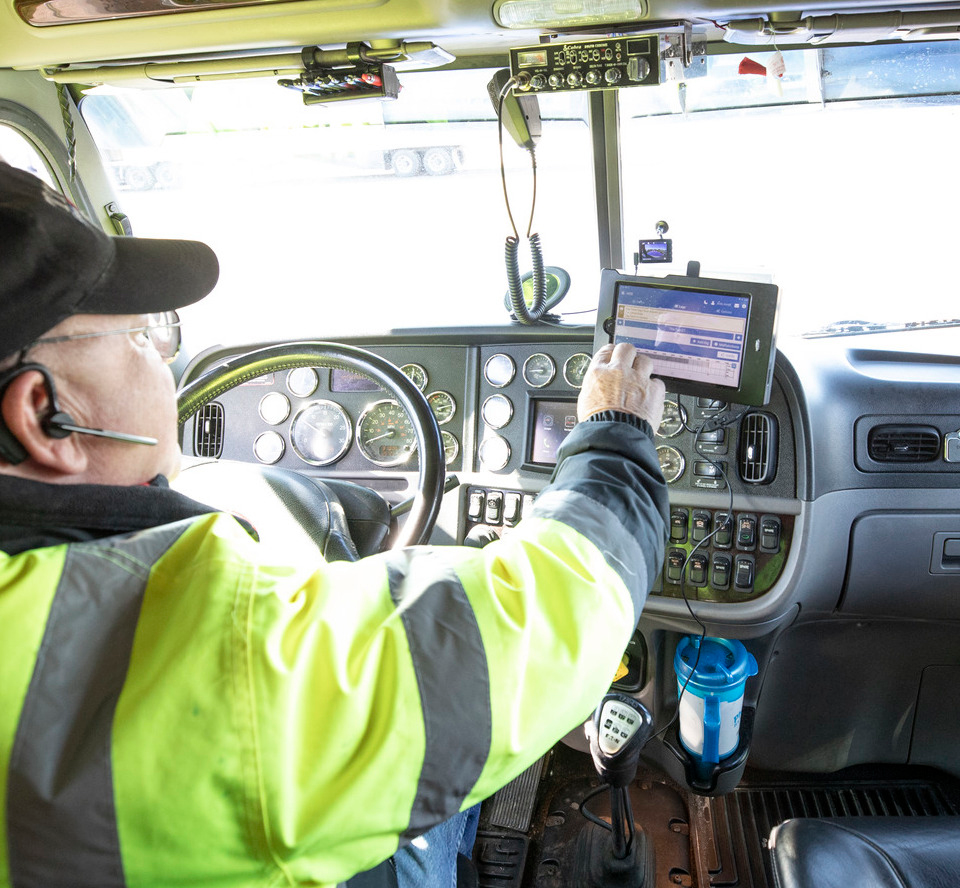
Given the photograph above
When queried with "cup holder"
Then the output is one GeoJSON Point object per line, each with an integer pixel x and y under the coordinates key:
{"type": "Point", "coordinates": [703, 779]}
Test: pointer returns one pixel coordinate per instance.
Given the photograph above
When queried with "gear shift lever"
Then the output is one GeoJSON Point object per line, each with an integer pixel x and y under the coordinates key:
{"type": "Point", "coordinates": [618, 731]}
{"type": "Point", "coordinates": [621, 726]}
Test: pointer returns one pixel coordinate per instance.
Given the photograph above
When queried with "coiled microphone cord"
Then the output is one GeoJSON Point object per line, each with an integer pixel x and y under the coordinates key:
{"type": "Point", "coordinates": [518, 303]}
{"type": "Point", "coordinates": [522, 312]}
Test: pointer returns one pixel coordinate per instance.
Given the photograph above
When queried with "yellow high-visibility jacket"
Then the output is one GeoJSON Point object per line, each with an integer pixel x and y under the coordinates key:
{"type": "Point", "coordinates": [175, 709]}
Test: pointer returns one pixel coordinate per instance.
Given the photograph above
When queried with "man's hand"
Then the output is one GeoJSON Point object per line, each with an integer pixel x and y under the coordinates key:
{"type": "Point", "coordinates": [619, 379]}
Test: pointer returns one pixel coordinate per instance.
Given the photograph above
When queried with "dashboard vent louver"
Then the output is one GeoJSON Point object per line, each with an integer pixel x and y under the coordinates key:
{"type": "Point", "coordinates": [903, 444]}
{"type": "Point", "coordinates": [757, 452]}
{"type": "Point", "coordinates": [208, 431]}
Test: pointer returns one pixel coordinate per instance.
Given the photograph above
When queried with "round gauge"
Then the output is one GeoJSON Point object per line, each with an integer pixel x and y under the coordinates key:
{"type": "Point", "coordinates": [575, 369]}
{"type": "Point", "coordinates": [674, 419]}
{"type": "Point", "coordinates": [321, 433]}
{"type": "Point", "coordinates": [494, 453]}
{"type": "Point", "coordinates": [385, 434]}
{"type": "Point", "coordinates": [497, 411]}
{"type": "Point", "coordinates": [443, 406]}
{"type": "Point", "coordinates": [539, 370]}
{"type": "Point", "coordinates": [499, 370]}
{"type": "Point", "coordinates": [672, 462]}
{"type": "Point", "coordinates": [416, 374]}
{"type": "Point", "coordinates": [451, 447]}
{"type": "Point", "coordinates": [274, 408]}
{"type": "Point", "coordinates": [303, 381]}
{"type": "Point", "coordinates": [269, 447]}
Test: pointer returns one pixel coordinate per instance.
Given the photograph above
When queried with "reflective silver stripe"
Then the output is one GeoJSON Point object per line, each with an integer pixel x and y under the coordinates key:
{"type": "Point", "coordinates": [625, 553]}
{"type": "Point", "coordinates": [451, 670]}
{"type": "Point", "coordinates": [62, 828]}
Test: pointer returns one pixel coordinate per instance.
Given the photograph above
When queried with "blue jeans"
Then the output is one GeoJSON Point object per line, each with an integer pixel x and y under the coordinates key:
{"type": "Point", "coordinates": [430, 860]}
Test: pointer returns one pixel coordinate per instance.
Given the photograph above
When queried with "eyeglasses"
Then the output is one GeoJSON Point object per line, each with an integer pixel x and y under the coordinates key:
{"type": "Point", "coordinates": [163, 331]}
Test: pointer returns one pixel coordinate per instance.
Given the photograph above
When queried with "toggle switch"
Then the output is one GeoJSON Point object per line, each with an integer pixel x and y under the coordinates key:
{"type": "Point", "coordinates": [678, 526]}
{"type": "Point", "coordinates": [770, 534]}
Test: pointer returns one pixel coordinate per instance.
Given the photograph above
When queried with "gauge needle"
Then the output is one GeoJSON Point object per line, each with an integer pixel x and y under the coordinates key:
{"type": "Point", "coordinates": [388, 434]}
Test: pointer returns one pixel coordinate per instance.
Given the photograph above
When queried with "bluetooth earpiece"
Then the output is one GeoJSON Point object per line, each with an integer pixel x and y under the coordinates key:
{"type": "Point", "coordinates": [56, 424]}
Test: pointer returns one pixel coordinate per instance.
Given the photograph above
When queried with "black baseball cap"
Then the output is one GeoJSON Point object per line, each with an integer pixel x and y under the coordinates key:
{"type": "Point", "coordinates": [54, 263]}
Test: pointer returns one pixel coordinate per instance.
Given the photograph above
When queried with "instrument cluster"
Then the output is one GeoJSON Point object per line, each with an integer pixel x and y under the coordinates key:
{"type": "Point", "coordinates": [333, 417]}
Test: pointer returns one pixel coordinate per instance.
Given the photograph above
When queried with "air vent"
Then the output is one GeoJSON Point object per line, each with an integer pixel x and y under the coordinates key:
{"type": "Point", "coordinates": [208, 431]}
{"type": "Point", "coordinates": [757, 453]}
{"type": "Point", "coordinates": [903, 444]}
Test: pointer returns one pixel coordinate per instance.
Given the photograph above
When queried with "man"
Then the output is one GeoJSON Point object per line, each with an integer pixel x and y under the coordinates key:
{"type": "Point", "coordinates": [176, 708]}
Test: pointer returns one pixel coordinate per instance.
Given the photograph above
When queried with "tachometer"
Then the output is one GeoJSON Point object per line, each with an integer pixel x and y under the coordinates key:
{"type": "Point", "coordinates": [385, 434]}
{"type": "Point", "coordinates": [321, 433]}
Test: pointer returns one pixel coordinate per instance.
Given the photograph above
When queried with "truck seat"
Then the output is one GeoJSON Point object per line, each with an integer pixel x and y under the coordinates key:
{"type": "Point", "coordinates": [866, 852]}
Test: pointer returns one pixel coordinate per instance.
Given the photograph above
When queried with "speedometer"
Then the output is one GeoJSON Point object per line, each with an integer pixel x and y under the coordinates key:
{"type": "Point", "coordinates": [385, 434]}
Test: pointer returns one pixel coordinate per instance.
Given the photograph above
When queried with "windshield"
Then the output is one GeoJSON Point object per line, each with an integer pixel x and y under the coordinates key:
{"type": "Point", "coordinates": [347, 218]}
{"type": "Point", "coordinates": [388, 212]}
{"type": "Point", "coordinates": [829, 181]}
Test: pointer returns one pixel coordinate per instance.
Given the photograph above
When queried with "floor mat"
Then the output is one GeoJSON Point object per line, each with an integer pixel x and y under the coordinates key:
{"type": "Point", "coordinates": [697, 841]}
{"type": "Point", "coordinates": [555, 851]}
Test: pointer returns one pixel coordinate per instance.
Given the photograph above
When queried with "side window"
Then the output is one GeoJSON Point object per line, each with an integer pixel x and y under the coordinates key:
{"type": "Point", "coordinates": [17, 150]}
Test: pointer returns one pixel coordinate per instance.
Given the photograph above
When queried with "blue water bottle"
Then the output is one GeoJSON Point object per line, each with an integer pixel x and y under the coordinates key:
{"type": "Point", "coordinates": [711, 686]}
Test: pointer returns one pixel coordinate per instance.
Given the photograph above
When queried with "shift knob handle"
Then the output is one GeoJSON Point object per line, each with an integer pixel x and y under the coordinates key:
{"type": "Point", "coordinates": [618, 731]}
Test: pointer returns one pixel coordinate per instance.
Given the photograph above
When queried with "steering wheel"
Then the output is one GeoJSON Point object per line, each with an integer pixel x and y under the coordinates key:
{"type": "Point", "coordinates": [290, 356]}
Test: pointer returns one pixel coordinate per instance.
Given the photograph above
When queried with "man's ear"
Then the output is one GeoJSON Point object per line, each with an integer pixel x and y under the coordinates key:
{"type": "Point", "coordinates": [26, 401]}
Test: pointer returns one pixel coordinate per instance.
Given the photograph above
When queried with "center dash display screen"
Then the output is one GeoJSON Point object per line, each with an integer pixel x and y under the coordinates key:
{"type": "Point", "coordinates": [552, 422]}
{"type": "Point", "coordinates": [689, 334]}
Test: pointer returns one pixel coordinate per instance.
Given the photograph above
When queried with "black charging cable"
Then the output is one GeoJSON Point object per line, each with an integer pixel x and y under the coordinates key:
{"type": "Point", "coordinates": [712, 422]}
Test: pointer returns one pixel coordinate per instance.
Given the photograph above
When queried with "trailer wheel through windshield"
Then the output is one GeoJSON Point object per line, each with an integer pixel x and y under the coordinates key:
{"type": "Point", "coordinates": [405, 162]}
{"type": "Point", "coordinates": [437, 162]}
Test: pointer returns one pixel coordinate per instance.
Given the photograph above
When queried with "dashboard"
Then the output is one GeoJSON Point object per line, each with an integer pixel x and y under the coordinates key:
{"type": "Point", "coordinates": [838, 493]}
{"type": "Point", "coordinates": [504, 404]}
